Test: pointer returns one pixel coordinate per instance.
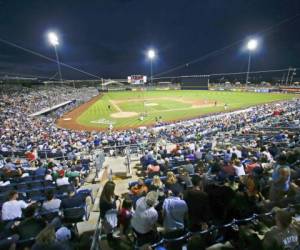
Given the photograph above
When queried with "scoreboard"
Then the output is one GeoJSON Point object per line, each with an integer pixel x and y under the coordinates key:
{"type": "Point", "coordinates": [137, 79]}
{"type": "Point", "coordinates": [194, 82]}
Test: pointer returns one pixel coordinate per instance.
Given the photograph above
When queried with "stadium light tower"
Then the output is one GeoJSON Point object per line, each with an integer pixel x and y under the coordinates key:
{"type": "Point", "coordinates": [151, 56]}
{"type": "Point", "coordinates": [251, 46]}
{"type": "Point", "coordinates": [53, 40]}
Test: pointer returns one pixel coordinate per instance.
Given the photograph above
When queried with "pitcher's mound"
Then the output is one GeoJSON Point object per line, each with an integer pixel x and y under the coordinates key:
{"type": "Point", "coordinates": [123, 114]}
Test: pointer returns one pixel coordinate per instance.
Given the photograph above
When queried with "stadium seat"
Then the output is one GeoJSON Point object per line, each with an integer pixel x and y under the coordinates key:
{"type": "Point", "coordinates": [26, 243]}
{"type": "Point", "coordinates": [27, 178]}
{"type": "Point", "coordinates": [22, 187]}
{"type": "Point", "coordinates": [7, 188]}
{"type": "Point", "coordinates": [36, 185]}
{"type": "Point", "coordinates": [74, 215]}
{"type": "Point", "coordinates": [39, 177]}
{"type": "Point", "coordinates": [85, 193]}
{"type": "Point", "coordinates": [36, 195]}
{"type": "Point", "coordinates": [64, 189]}
{"type": "Point", "coordinates": [49, 216]}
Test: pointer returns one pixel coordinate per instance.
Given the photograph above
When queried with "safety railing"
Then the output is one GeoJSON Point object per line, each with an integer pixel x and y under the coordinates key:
{"type": "Point", "coordinates": [234, 224]}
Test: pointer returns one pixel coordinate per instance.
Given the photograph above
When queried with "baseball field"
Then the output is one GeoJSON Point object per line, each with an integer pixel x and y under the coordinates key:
{"type": "Point", "coordinates": [132, 109]}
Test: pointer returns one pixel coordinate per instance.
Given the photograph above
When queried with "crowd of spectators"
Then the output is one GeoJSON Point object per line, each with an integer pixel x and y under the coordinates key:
{"type": "Point", "coordinates": [194, 175]}
{"type": "Point", "coordinates": [209, 189]}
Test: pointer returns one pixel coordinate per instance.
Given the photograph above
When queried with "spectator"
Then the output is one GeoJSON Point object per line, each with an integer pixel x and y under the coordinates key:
{"type": "Point", "coordinates": [107, 198]}
{"type": "Point", "coordinates": [174, 213]}
{"type": "Point", "coordinates": [62, 179]}
{"type": "Point", "coordinates": [46, 240]}
{"type": "Point", "coordinates": [189, 167]}
{"type": "Point", "coordinates": [237, 151]}
{"type": "Point", "coordinates": [228, 169]}
{"type": "Point", "coordinates": [12, 209]}
{"type": "Point", "coordinates": [252, 165]}
{"type": "Point", "coordinates": [40, 170]}
{"type": "Point", "coordinates": [145, 217]}
{"type": "Point", "coordinates": [72, 200]}
{"type": "Point", "coordinates": [184, 178]}
{"type": "Point", "coordinates": [108, 206]}
{"type": "Point", "coordinates": [239, 168]}
{"type": "Point", "coordinates": [153, 169]}
{"type": "Point", "coordinates": [63, 235]}
{"type": "Point", "coordinates": [156, 184]}
{"type": "Point", "coordinates": [51, 204]}
{"type": "Point", "coordinates": [48, 176]}
{"type": "Point", "coordinates": [30, 156]}
{"type": "Point", "coordinates": [9, 165]}
{"type": "Point", "coordinates": [227, 156]}
{"type": "Point", "coordinates": [31, 225]}
{"type": "Point", "coordinates": [281, 179]}
{"type": "Point", "coordinates": [125, 215]}
{"type": "Point", "coordinates": [172, 183]}
{"type": "Point", "coordinates": [139, 189]}
{"type": "Point", "coordinates": [198, 204]}
{"type": "Point", "coordinates": [284, 235]}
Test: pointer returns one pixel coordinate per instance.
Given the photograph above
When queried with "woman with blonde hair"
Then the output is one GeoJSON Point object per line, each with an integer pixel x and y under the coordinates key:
{"type": "Point", "coordinates": [156, 184]}
{"type": "Point", "coordinates": [172, 183]}
{"type": "Point", "coordinates": [171, 178]}
{"type": "Point", "coordinates": [46, 239]}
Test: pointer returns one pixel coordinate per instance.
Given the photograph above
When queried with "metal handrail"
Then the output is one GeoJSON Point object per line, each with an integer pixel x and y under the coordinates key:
{"type": "Point", "coordinates": [233, 223]}
{"type": "Point", "coordinates": [95, 243]}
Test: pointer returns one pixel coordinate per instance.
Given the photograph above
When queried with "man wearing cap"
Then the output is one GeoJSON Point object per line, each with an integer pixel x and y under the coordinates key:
{"type": "Point", "coordinates": [145, 217]}
{"type": "Point", "coordinates": [62, 179]}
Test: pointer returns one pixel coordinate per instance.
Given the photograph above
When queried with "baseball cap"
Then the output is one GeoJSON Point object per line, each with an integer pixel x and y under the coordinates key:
{"type": "Point", "coordinates": [151, 198]}
{"type": "Point", "coordinates": [63, 234]}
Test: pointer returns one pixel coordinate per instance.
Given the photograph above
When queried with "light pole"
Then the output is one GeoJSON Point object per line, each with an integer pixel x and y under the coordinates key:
{"type": "Point", "coordinates": [53, 39]}
{"type": "Point", "coordinates": [251, 46]}
{"type": "Point", "coordinates": [151, 56]}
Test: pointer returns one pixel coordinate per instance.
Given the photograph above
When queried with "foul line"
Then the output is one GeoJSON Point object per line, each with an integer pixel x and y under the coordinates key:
{"type": "Point", "coordinates": [115, 105]}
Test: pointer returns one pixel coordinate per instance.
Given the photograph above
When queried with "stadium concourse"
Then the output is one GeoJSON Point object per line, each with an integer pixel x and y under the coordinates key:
{"type": "Point", "coordinates": [228, 180]}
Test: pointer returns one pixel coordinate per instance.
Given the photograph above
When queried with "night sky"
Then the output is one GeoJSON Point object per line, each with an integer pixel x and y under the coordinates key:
{"type": "Point", "coordinates": [109, 38]}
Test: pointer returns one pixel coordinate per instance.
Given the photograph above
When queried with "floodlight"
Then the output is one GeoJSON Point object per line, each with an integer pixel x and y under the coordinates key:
{"type": "Point", "coordinates": [252, 44]}
{"type": "Point", "coordinates": [151, 54]}
{"type": "Point", "coordinates": [53, 39]}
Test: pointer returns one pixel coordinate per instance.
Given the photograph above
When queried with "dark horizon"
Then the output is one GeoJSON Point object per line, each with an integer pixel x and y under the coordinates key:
{"type": "Point", "coordinates": [110, 38]}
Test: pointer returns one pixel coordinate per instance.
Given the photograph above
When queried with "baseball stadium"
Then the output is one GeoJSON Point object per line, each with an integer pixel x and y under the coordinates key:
{"type": "Point", "coordinates": [149, 125]}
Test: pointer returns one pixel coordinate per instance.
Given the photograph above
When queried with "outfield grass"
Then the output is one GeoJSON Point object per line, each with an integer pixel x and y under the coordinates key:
{"type": "Point", "coordinates": [170, 105]}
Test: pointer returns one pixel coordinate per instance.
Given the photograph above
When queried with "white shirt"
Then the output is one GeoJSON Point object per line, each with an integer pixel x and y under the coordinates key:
{"type": "Point", "coordinates": [48, 177]}
{"type": "Point", "coordinates": [144, 217]}
{"type": "Point", "coordinates": [62, 181]}
{"type": "Point", "coordinates": [52, 205]}
{"type": "Point", "coordinates": [13, 209]}
{"type": "Point", "coordinates": [268, 155]}
{"type": "Point", "coordinates": [239, 170]}
{"type": "Point", "coordinates": [238, 153]}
